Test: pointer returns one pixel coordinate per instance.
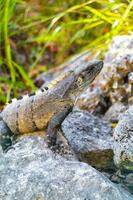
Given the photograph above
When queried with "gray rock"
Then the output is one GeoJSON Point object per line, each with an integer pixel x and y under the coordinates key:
{"type": "Point", "coordinates": [129, 179]}
{"type": "Point", "coordinates": [124, 179]}
{"type": "Point", "coordinates": [114, 112]}
{"type": "Point", "coordinates": [89, 100]}
{"type": "Point", "coordinates": [90, 137]}
{"type": "Point", "coordinates": [33, 172]}
{"type": "Point", "coordinates": [123, 134]}
{"type": "Point", "coordinates": [129, 182]}
{"type": "Point", "coordinates": [118, 64]}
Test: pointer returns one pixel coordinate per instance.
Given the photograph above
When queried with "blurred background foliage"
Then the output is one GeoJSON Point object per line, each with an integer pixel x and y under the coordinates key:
{"type": "Point", "coordinates": [36, 35]}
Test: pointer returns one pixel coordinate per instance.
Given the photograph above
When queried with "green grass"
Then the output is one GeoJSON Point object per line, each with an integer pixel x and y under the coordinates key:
{"type": "Point", "coordinates": [32, 28]}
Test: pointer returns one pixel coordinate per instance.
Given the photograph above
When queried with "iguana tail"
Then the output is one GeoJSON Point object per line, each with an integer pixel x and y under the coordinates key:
{"type": "Point", "coordinates": [5, 135]}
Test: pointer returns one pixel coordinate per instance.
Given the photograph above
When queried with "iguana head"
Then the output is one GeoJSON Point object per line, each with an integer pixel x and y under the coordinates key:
{"type": "Point", "coordinates": [88, 72]}
{"type": "Point", "coordinates": [72, 83]}
{"type": "Point", "coordinates": [84, 76]}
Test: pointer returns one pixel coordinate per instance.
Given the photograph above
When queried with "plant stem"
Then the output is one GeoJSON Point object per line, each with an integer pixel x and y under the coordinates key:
{"type": "Point", "coordinates": [7, 43]}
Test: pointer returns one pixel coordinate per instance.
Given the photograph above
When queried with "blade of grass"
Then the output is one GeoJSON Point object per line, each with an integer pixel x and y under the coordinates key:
{"type": "Point", "coordinates": [88, 26]}
{"type": "Point", "coordinates": [38, 57]}
{"type": "Point", "coordinates": [80, 21]}
{"type": "Point", "coordinates": [99, 14]}
{"type": "Point", "coordinates": [24, 75]}
{"type": "Point", "coordinates": [7, 43]}
{"type": "Point", "coordinates": [124, 17]}
{"type": "Point", "coordinates": [71, 9]}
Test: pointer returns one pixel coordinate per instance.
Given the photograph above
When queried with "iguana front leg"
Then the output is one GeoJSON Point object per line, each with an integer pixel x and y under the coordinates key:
{"type": "Point", "coordinates": [55, 123]}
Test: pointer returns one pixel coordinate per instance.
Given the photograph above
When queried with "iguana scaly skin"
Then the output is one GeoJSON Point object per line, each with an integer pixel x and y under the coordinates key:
{"type": "Point", "coordinates": [47, 108]}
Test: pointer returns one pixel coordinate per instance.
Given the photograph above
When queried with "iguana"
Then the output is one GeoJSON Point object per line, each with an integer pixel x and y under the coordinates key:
{"type": "Point", "coordinates": [47, 108]}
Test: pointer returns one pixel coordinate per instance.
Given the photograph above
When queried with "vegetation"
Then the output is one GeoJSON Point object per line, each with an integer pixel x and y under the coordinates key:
{"type": "Point", "coordinates": [36, 35]}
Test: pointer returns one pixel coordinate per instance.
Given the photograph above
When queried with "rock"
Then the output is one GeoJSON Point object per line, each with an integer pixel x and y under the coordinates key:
{"type": "Point", "coordinates": [90, 137]}
{"type": "Point", "coordinates": [33, 172]}
{"type": "Point", "coordinates": [90, 99]}
{"type": "Point", "coordinates": [123, 135]}
{"type": "Point", "coordinates": [130, 78]}
{"type": "Point", "coordinates": [124, 179]}
{"type": "Point", "coordinates": [114, 112]}
{"type": "Point", "coordinates": [116, 83]}
{"type": "Point", "coordinates": [129, 182]}
{"type": "Point", "coordinates": [129, 179]}
{"type": "Point", "coordinates": [118, 64]}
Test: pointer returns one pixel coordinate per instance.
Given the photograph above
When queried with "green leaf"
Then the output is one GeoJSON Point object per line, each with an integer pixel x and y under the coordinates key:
{"type": "Point", "coordinates": [24, 75]}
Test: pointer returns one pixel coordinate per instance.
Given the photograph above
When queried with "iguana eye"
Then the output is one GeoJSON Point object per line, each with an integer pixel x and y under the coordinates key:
{"type": "Point", "coordinates": [80, 81]}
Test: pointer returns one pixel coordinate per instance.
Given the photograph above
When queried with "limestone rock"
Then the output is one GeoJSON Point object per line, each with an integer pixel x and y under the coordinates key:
{"type": "Point", "coordinates": [32, 172]}
{"type": "Point", "coordinates": [114, 112]}
{"type": "Point", "coordinates": [123, 134]}
{"type": "Point", "coordinates": [90, 137]}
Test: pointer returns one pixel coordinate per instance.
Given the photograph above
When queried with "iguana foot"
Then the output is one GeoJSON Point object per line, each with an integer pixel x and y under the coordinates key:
{"type": "Point", "coordinates": [53, 144]}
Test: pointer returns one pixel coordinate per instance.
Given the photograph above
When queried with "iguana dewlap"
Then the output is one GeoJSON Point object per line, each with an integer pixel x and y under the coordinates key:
{"type": "Point", "coordinates": [47, 108]}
